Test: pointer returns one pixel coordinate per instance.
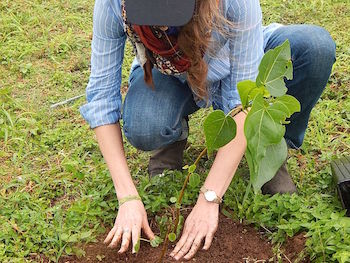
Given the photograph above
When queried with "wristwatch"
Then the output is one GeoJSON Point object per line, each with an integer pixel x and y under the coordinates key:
{"type": "Point", "coordinates": [210, 195]}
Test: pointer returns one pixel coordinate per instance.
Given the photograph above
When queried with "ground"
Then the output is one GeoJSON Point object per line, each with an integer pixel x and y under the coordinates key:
{"type": "Point", "coordinates": [55, 190]}
{"type": "Point", "coordinates": [250, 246]}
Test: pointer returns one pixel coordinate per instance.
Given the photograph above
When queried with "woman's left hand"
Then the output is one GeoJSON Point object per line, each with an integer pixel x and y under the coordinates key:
{"type": "Point", "coordinates": [201, 223]}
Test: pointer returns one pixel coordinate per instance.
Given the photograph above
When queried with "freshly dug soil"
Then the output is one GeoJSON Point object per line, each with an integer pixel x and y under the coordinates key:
{"type": "Point", "coordinates": [233, 242]}
{"type": "Point", "coordinates": [293, 248]}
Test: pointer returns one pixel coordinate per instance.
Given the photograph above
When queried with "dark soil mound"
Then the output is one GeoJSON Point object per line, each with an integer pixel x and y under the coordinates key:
{"type": "Point", "coordinates": [233, 242]}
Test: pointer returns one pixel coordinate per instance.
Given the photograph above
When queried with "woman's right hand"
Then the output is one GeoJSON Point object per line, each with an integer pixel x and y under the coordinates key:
{"type": "Point", "coordinates": [131, 218]}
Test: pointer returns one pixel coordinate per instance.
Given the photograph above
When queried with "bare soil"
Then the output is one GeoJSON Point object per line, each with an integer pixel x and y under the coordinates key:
{"type": "Point", "coordinates": [233, 242]}
{"type": "Point", "coordinates": [293, 248]}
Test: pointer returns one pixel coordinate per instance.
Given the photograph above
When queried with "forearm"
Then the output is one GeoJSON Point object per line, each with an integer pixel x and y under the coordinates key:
{"type": "Point", "coordinates": [110, 140]}
{"type": "Point", "coordinates": [227, 160]}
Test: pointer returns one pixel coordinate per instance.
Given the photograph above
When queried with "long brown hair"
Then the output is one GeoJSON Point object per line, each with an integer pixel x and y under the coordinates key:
{"type": "Point", "coordinates": [194, 40]}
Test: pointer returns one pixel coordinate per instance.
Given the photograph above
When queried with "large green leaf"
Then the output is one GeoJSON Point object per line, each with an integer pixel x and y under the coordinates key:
{"type": "Point", "coordinates": [275, 155]}
{"type": "Point", "coordinates": [219, 129]}
{"type": "Point", "coordinates": [264, 130]}
{"type": "Point", "coordinates": [264, 123]}
{"type": "Point", "coordinates": [287, 104]}
{"type": "Point", "coordinates": [274, 67]}
{"type": "Point", "coordinates": [262, 127]}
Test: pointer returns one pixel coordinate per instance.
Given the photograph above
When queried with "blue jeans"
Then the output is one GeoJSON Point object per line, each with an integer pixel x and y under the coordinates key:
{"type": "Point", "coordinates": [153, 118]}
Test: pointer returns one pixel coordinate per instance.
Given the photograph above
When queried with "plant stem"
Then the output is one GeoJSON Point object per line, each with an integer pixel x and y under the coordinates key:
{"type": "Point", "coordinates": [200, 156]}
{"type": "Point", "coordinates": [179, 200]}
{"type": "Point", "coordinates": [165, 245]}
{"type": "Point", "coordinates": [144, 239]}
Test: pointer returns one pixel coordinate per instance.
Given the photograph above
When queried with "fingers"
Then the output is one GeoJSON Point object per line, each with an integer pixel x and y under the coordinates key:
{"type": "Point", "coordinates": [148, 231]}
{"type": "Point", "coordinates": [136, 232]}
{"type": "Point", "coordinates": [110, 235]}
{"type": "Point", "coordinates": [195, 246]}
{"type": "Point", "coordinates": [126, 240]}
{"type": "Point", "coordinates": [191, 240]}
{"type": "Point", "coordinates": [179, 244]}
{"type": "Point", "coordinates": [128, 235]}
{"type": "Point", "coordinates": [208, 240]}
{"type": "Point", "coordinates": [116, 238]}
{"type": "Point", "coordinates": [184, 236]}
{"type": "Point", "coordinates": [186, 246]}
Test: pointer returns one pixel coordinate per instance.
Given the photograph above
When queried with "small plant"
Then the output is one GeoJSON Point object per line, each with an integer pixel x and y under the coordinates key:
{"type": "Point", "coordinates": [267, 107]}
{"type": "Point", "coordinates": [270, 107]}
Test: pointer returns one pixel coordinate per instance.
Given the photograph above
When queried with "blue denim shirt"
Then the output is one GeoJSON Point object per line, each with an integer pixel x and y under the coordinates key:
{"type": "Point", "coordinates": [237, 58]}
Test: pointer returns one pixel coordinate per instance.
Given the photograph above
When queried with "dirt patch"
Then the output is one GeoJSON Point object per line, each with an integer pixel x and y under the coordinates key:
{"type": "Point", "coordinates": [233, 242]}
{"type": "Point", "coordinates": [294, 247]}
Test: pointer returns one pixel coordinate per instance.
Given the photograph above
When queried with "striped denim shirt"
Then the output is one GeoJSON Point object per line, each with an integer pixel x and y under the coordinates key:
{"type": "Point", "coordinates": [237, 58]}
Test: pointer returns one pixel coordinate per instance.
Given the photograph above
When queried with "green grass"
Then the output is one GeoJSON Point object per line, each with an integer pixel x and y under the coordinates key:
{"type": "Point", "coordinates": [55, 188]}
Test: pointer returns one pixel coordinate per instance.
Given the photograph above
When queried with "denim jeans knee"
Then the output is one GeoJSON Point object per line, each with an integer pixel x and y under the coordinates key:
{"type": "Point", "coordinates": [149, 134]}
{"type": "Point", "coordinates": [313, 55]}
{"type": "Point", "coordinates": [153, 118]}
{"type": "Point", "coordinates": [320, 50]}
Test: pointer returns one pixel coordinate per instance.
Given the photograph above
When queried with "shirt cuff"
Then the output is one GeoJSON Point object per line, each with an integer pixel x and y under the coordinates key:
{"type": "Point", "coordinates": [232, 104]}
{"type": "Point", "coordinates": [101, 112]}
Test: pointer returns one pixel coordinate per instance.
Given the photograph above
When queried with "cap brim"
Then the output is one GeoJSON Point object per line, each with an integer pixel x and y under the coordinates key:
{"type": "Point", "coordinates": [159, 12]}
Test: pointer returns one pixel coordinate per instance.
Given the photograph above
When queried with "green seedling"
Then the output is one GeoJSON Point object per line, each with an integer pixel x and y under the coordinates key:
{"type": "Point", "coordinates": [155, 242]}
{"type": "Point", "coordinates": [267, 107]}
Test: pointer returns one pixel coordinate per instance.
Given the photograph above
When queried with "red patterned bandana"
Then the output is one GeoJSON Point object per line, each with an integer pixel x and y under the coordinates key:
{"type": "Point", "coordinates": [153, 45]}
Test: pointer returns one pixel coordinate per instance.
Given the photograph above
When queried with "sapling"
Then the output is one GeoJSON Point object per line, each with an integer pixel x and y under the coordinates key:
{"type": "Point", "coordinates": [267, 107]}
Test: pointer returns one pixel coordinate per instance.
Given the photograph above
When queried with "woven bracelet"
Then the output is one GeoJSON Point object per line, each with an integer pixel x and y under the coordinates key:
{"type": "Point", "coordinates": [129, 198]}
{"type": "Point", "coordinates": [237, 110]}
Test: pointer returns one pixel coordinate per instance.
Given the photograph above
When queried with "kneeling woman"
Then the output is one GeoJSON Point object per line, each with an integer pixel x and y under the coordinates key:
{"type": "Point", "coordinates": [190, 54]}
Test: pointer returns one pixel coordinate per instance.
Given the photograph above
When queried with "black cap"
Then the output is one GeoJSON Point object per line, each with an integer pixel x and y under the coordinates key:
{"type": "Point", "coordinates": [159, 12]}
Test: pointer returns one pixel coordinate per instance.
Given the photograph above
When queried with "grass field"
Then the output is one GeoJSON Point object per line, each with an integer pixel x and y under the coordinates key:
{"type": "Point", "coordinates": [55, 190]}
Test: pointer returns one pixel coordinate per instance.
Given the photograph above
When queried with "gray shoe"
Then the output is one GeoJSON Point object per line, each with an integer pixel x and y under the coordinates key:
{"type": "Point", "coordinates": [282, 183]}
{"type": "Point", "coordinates": [167, 158]}
{"type": "Point", "coordinates": [171, 156]}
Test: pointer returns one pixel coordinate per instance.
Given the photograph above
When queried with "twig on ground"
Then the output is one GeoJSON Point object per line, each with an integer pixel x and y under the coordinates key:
{"type": "Point", "coordinates": [66, 101]}
{"type": "Point", "coordinates": [286, 258]}
{"type": "Point", "coordinates": [266, 229]}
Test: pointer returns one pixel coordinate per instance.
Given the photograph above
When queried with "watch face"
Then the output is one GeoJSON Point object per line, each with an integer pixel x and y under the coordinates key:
{"type": "Point", "coordinates": [210, 196]}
